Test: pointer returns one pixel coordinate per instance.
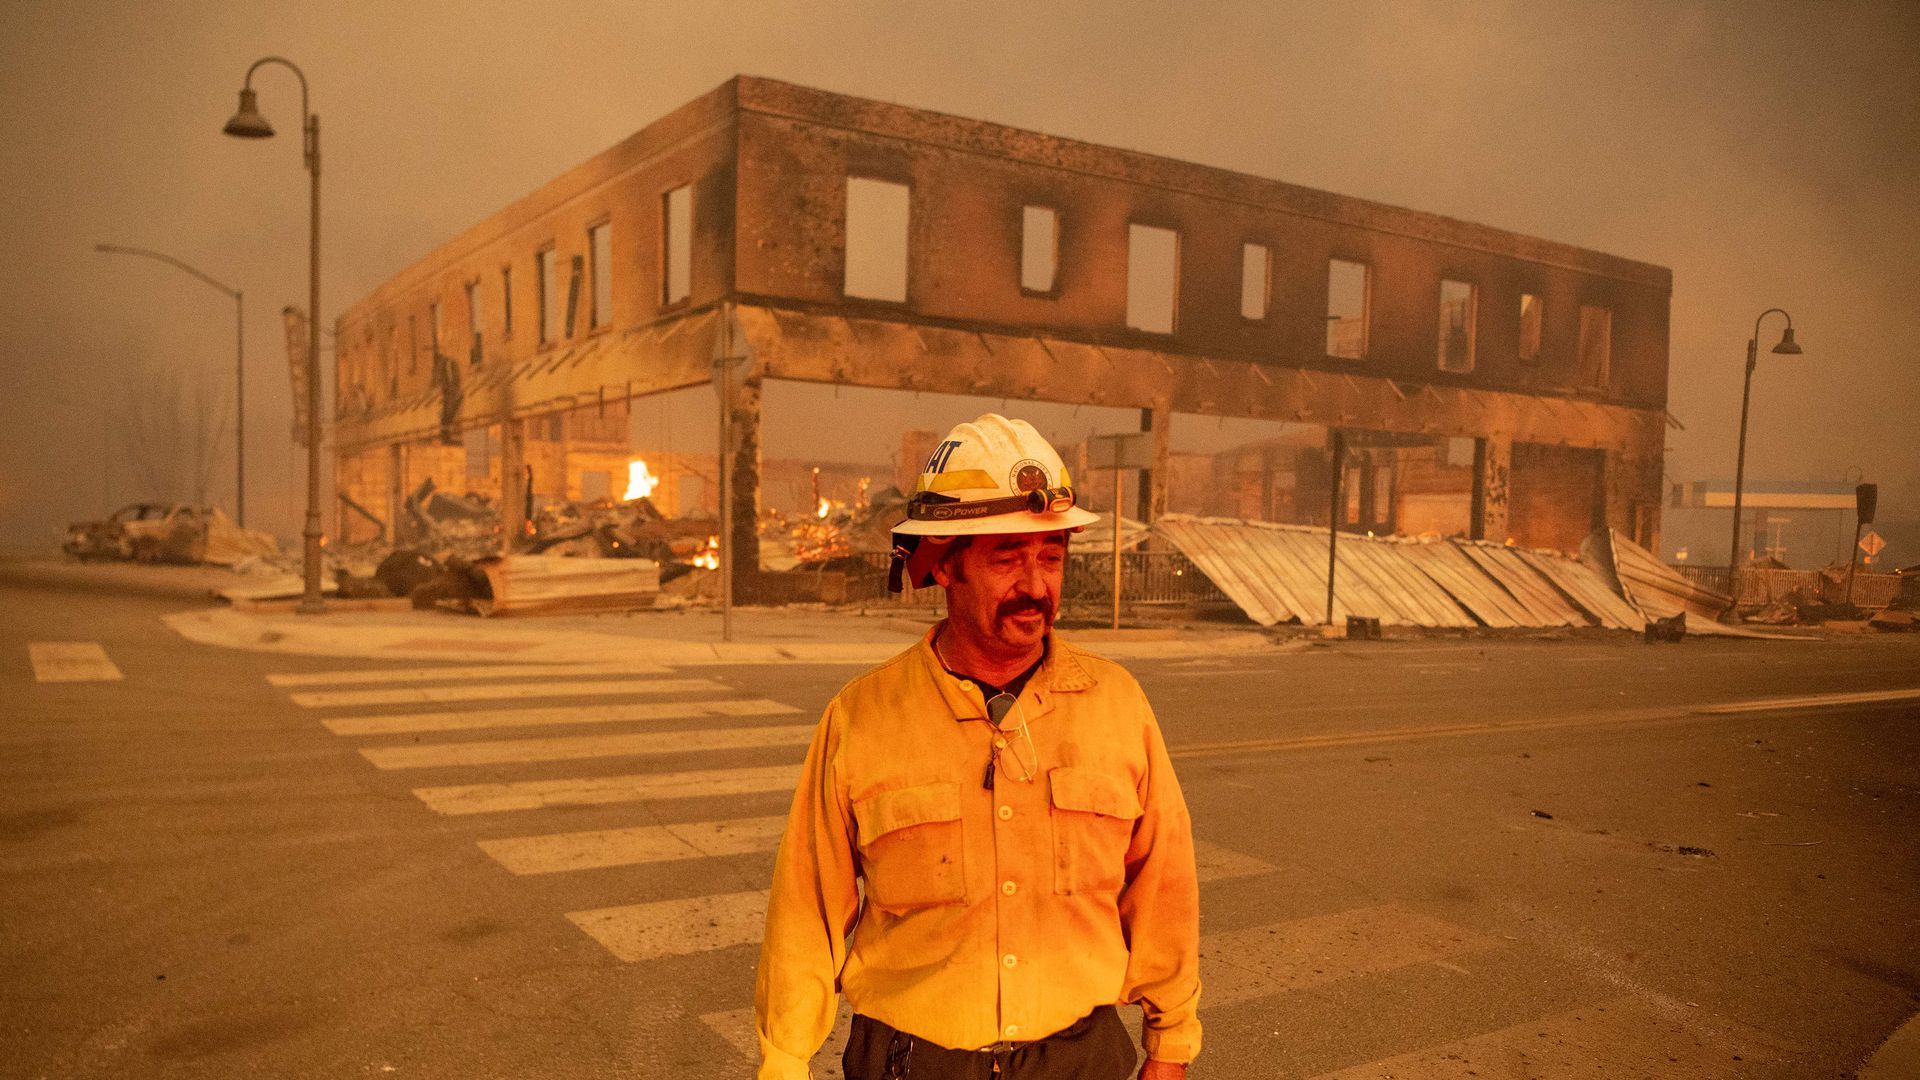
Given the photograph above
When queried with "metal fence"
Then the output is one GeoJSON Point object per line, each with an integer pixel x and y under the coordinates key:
{"type": "Point", "coordinates": [1147, 577]}
{"type": "Point", "coordinates": [1761, 587]}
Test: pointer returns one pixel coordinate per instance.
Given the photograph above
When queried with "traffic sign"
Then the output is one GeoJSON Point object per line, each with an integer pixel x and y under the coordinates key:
{"type": "Point", "coordinates": [1871, 543]}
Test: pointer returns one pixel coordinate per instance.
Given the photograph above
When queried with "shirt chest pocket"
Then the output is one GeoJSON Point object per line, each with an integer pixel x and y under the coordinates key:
{"type": "Point", "coordinates": [1093, 816]}
{"type": "Point", "coordinates": [910, 846]}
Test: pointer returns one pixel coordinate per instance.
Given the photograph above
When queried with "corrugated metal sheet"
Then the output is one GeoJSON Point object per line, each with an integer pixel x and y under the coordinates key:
{"type": "Point", "coordinates": [1469, 585]}
{"type": "Point", "coordinates": [550, 585]}
{"type": "Point", "coordinates": [1545, 606]}
{"type": "Point", "coordinates": [1655, 587]}
{"type": "Point", "coordinates": [1588, 590]}
{"type": "Point", "coordinates": [1278, 573]}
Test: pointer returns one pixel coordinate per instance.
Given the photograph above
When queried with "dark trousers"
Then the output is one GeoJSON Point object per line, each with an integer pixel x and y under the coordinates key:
{"type": "Point", "coordinates": [1094, 1047]}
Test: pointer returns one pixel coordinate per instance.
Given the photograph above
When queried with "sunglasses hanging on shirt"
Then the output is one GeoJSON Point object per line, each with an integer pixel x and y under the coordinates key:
{"type": "Point", "coordinates": [997, 708]}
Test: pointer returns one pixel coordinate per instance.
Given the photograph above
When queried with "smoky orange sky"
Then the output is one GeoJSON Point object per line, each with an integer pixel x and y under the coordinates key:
{"type": "Point", "coordinates": [1769, 153]}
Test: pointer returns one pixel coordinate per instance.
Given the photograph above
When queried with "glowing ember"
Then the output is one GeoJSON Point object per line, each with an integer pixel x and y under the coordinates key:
{"type": "Point", "coordinates": [640, 481]}
{"type": "Point", "coordinates": [823, 509]}
{"type": "Point", "coordinates": [710, 558]}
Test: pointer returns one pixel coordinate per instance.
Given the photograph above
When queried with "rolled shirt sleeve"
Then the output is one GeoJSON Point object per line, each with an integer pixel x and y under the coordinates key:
{"type": "Point", "coordinates": [1160, 912]}
{"type": "Point", "coordinates": [811, 909]}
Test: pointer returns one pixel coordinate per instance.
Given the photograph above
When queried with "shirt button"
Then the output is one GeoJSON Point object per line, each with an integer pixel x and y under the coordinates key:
{"type": "Point", "coordinates": [1012, 1030]}
{"type": "Point", "coordinates": [1009, 960]}
{"type": "Point", "coordinates": [999, 744]}
{"type": "Point", "coordinates": [1008, 887]}
{"type": "Point", "coordinates": [1006, 813]}
{"type": "Point", "coordinates": [966, 685]}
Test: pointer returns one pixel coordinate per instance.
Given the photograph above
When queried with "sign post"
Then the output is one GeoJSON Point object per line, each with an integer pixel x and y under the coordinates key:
{"type": "Point", "coordinates": [1132, 450]}
{"type": "Point", "coordinates": [1866, 498]}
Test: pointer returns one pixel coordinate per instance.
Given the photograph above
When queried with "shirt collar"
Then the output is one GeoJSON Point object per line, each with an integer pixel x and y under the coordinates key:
{"type": "Point", "coordinates": [1060, 673]}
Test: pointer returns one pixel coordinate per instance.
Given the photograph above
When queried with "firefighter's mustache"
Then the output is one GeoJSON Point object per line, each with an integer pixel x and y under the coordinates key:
{"type": "Point", "coordinates": [1022, 605]}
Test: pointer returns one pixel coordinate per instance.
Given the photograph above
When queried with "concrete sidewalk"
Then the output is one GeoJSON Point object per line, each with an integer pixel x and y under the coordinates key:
{"type": "Point", "coordinates": [761, 635]}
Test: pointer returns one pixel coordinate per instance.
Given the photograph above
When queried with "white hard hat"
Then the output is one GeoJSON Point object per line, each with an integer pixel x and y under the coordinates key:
{"type": "Point", "coordinates": [992, 476]}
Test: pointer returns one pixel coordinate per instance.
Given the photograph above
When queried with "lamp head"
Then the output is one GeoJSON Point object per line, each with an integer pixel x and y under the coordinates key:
{"type": "Point", "coordinates": [247, 123]}
{"type": "Point", "coordinates": [1787, 346]}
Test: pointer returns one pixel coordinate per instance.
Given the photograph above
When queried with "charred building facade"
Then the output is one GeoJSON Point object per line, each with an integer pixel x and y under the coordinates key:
{"type": "Point", "coordinates": [1488, 384]}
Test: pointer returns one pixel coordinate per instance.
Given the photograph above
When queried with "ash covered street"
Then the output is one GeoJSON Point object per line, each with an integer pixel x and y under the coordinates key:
{"type": "Point", "coordinates": [1420, 858]}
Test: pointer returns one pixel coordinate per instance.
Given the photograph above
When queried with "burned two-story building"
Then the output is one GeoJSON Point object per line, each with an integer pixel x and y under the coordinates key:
{"type": "Point", "coordinates": [1487, 384]}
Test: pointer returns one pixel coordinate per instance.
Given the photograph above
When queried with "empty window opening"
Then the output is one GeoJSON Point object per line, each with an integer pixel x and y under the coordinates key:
{"type": "Point", "coordinates": [473, 322]}
{"type": "Point", "coordinates": [877, 226]}
{"type": "Point", "coordinates": [1153, 278]}
{"type": "Point", "coordinates": [1256, 278]}
{"type": "Point", "coordinates": [1347, 295]}
{"type": "Point", "coordinates": [1531, 311]}
{"type": "Point", "coordinates": [676, 245]}
{"type": "Point", "coordinates": [1456, 326]}
{"type": "Point", "coordinates": [1039, 248]}
{"type": "Point", "coordinates": [600, 251]}
{"type": "Point", "coordinates": [546, 275]}
{"type": "Point", "coordinates": [578, 270]}
{"type": "Point", "coordinates": [1596, 346]}
{"type": "Point", "coordinates": [506, 301]}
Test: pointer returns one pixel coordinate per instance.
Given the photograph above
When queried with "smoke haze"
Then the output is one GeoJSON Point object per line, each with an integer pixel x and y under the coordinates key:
{"type": "Point", "coordinates": [1769, 153]}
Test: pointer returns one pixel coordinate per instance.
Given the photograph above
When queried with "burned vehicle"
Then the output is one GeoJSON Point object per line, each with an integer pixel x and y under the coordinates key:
{"type": "Point", "coordinates": [156, 532]}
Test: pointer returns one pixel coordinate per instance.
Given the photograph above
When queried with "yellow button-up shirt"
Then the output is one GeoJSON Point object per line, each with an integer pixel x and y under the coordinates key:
{"type": "Point", "coordinates": [969, 916]}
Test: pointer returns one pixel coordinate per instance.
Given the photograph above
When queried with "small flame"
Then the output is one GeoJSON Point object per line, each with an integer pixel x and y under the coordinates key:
{"type": "Point", "coordinates": [640, 481]}
{"type": "Point", "coordinates": [710, 558]}
{"type": "Point", "coordinates": [823, 509]}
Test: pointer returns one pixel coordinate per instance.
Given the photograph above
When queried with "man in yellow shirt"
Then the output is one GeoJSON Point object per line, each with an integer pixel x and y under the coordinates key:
{"type": "Point", "coordinates": [988, 849]}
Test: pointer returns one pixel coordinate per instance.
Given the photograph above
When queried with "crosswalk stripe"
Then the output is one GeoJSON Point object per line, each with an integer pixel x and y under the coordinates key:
{"type": "Point", "coordinates": [319, 699]}
{"type": "Point", "coordinates": [1623, 1036]}
{"type": "Point", "coordinates": [559, 852]}
{"type": "Point", "coordinates": [1261, 961]}
{"type": "Point", "coordinates": [1239, 965]}
{"type": "Point", "coordinates": [544, 716]}
{"type": "Point", "coordinates": [71, 661]}
{"type": "Point", "coordinates": [594, 790]}
{"type": "Point", "coordinates": [736, 1027]}
{"type": "Point", "coordinates": [577, 747]}
{"type": "Point", "coordinates": [697, 924]}
{"type": "Point", "coordinates": [448, 674]}
{"type": "Point", "coordinates": [1215, 863]}
{"type": "Point", "coordinates": [599, 848]}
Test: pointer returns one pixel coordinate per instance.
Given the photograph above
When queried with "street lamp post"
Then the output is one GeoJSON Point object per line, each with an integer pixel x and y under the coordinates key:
{"type": "Point", "coordinates": [247, 123]}
{"type": "Point", "coordinates": [239, 368]}
{"type": "Point", "coordinates": [1787, 347]}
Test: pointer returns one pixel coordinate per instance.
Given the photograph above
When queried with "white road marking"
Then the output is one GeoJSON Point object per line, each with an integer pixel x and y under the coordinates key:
{"type": "Point", "coordinates": [71, 661]}
{"type": "Point", "coordinates": [1810, 701]}
{"type": "Point", "coordinates": [448, 674]}
{"type": "Point", "coordinates": [1623, 1036]}
{"type": "Point", "coordinates": [1215, 863]}
{"type": "Point", "coordinates": [473, 719]}
{"type": "Point", "coordinates": [1236, 966]}
{"type": "Point", "coordinates": [577, 747]}
{"type": "Point", "coordinates": [697, 924]}
{"type": "Point", "coordinates": [319, 699]}
{"type": "Point", "coordinates": [736, 1027]}
{"type": "Point", "coordinates": [594, 790]}
{"type": "Point", "coordinates": [1261, 961]}
{"type": "Point", "coordinates": [560, 852]}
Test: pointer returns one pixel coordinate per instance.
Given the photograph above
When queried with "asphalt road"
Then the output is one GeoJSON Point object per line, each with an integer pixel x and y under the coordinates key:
{"type": "Point", "coordinates": [1423, 859]}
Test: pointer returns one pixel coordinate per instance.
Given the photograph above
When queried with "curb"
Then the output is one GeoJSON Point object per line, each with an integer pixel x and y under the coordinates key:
{"type": "Point", "coordinates": [1898, 1058]}
{"type": "Point", "coordinates": [455, 640]}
